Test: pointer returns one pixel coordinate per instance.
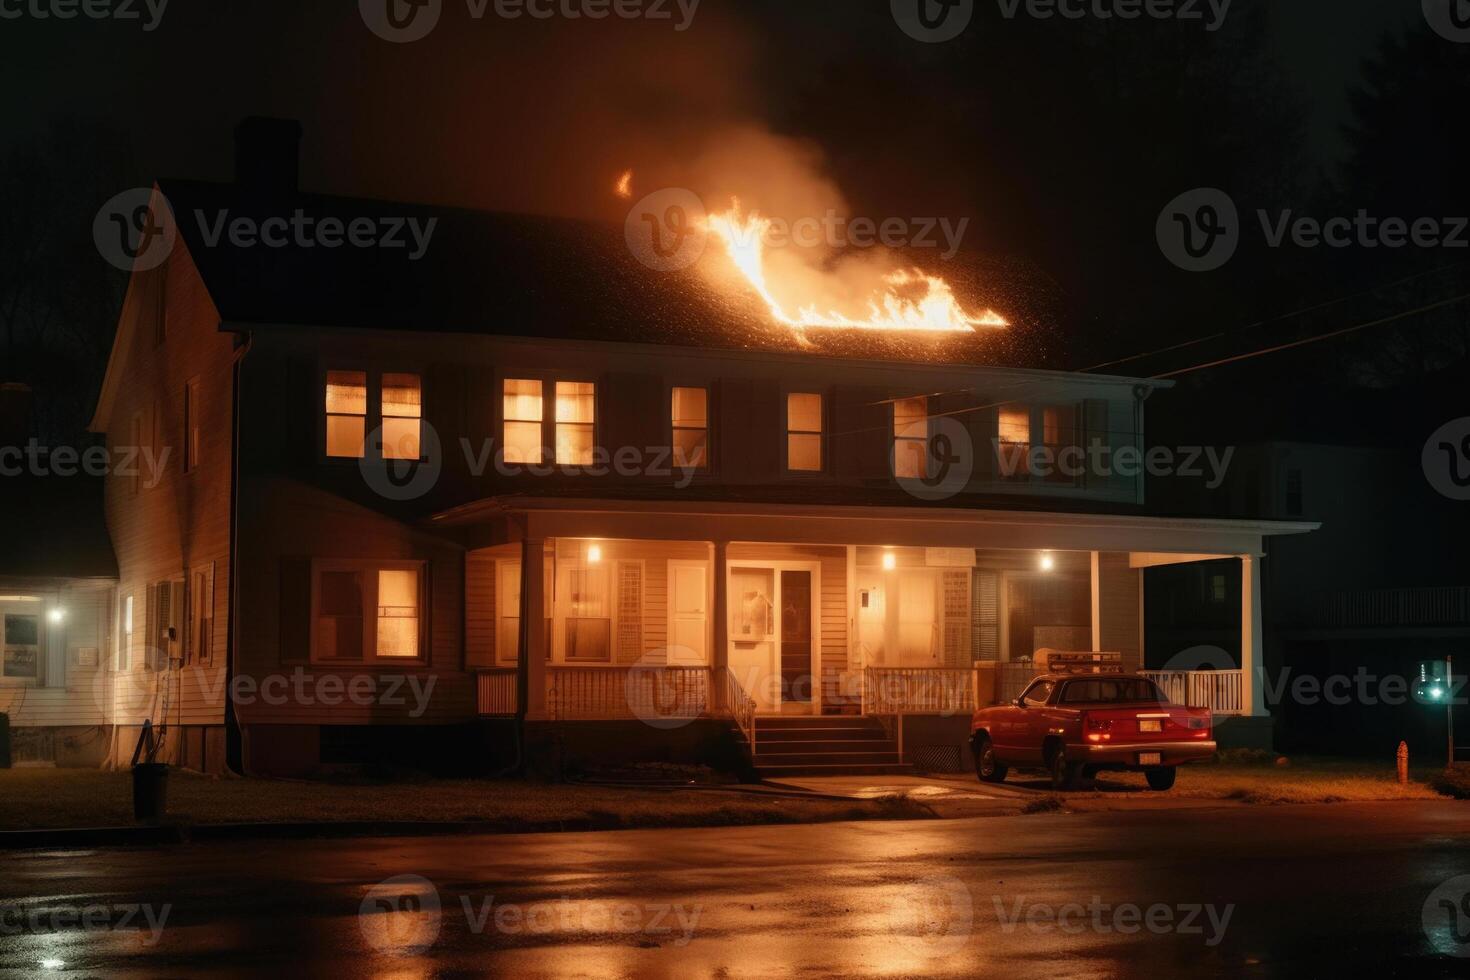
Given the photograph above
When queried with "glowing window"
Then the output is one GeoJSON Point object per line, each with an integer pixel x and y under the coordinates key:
{"type": "Point", "coordinates": [398, 612]}
{"type": "Point", "coordinates": [911, 438]}
{"type": "Point", "coordinates": [523, 413]}
{"type": "Point", "coordinates": [691, 428]}
{"type": "Point", "coordinates": [346, 405]}
{"type": "Point", "coordinates": [402, 415]}
{"type": "Point", "coordinates": [1015, 425]}
{"type": "Point", "coordinates": [804, 432]}
{"type": "Point", "coordinates": [576, 408]}
{"type": "Point", "coordinates": [339, 615]}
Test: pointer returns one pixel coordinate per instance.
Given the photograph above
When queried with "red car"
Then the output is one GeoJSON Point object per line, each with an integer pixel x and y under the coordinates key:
{"type": "Point", "coordinates": [1078, 724]}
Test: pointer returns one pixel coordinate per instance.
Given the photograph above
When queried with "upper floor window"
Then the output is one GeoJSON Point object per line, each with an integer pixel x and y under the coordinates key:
{"type": "Point", "coordinates": [576, 410]}
{"type": "Point", "coordinates": [911, 438]}
{"type": "Point", "coordinates": [523, 413]}
{"type": "Point", "coordinates": [346, 406]}
{"type": "Point", "coordinates": [1058, 434]}
{"type": "Point", "coordinates": [804, 432]}
{"type": "Point", "coordinates": [349, 413]}
{"type": "Point", "coordinates": [691, 428]}
{"type": "Point", "coordinates": [403, 413]}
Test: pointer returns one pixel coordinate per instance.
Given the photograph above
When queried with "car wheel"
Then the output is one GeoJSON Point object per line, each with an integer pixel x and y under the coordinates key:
{"type": "Point", "coordinates": [1064, 774]}
{"type": "Point", "coordinates": [1161, 778]}
{"type": "Point", "coordinates": [986, 766]}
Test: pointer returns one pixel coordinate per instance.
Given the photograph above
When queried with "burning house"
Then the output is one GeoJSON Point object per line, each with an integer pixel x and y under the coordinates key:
{"type": "Point", "coordinates": [523, 495]}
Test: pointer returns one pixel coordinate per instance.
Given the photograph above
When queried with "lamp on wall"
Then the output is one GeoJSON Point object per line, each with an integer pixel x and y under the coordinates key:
{"type": "Point", "coordinates": [56, 614]}
{"type": "Point", "coordinates": [890, 561]}
{"type": "Point", "coordinates": [1047, 562]}
{"type": "Point", "coordinates": [594, 554]}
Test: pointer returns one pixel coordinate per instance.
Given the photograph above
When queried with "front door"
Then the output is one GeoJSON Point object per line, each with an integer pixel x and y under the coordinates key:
{"type": "Point", "coordinates": [797, 680]}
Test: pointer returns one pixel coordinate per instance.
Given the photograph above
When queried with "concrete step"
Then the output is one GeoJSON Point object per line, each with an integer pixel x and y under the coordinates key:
{"type": "Point", "coordinates": [819, 734]}
{"type": "Point", "coordinates": [775, 746]}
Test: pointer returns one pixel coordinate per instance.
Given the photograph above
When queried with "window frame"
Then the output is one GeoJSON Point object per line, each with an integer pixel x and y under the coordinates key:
{"type": "Point", "coordinates": [192, 433]}
{"type": "Point", "coordinates": [895, 439]}
{"type": "Point", "coordinates": [32, 608]}
{"type": "Point", "coordinates": [708, 428]}
{"type": "Point", "coordinates": [547, 450]}
{"type": "Point", "coordinates": [820, 433]}
{"type": "Point", "coordinates": [372, 450]}
{"type": "Point", "coordinates": [369, 593]}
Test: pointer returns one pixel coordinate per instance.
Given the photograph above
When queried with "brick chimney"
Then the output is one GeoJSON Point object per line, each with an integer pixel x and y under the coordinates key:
{"type": "Point", "coordinates": [267, 154]}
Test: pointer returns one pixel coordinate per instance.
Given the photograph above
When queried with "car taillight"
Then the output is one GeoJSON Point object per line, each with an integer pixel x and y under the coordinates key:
{"type": "Point", "coordinates": [1099, 729]}
{"type": "Point", "coordinates": [1200, 725]}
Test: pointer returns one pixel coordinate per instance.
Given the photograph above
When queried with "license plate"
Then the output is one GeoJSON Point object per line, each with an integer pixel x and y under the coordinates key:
{"type": "Point", "coordinates": [1150, 725]}
{"type": "Point", "coordinates": [1149, 758]}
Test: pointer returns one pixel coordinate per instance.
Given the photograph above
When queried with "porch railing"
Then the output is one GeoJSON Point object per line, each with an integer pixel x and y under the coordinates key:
{"type": "Point", "coordinates": [918, 690]}
{"type": "Point", "coordinates": [739, 706]}
{"type": "Point", "coordinates": [1221, 691]}
{"type": "Point", "coordinates": [496, 692]}
{"type": "Point", "coordinates": [617, 692]}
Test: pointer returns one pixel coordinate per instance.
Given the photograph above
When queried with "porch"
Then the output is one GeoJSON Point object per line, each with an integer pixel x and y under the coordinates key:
{"type": "Point", "coordinates": [817, 612]}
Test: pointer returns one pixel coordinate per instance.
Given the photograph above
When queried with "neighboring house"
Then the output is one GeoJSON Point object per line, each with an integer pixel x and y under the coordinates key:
{"type": "Point", "coordinates": [524, 497]}
{"type": "Point", "coordinates": [57, 574]}
{"type": "Point", "coordinates": [1381, 588]}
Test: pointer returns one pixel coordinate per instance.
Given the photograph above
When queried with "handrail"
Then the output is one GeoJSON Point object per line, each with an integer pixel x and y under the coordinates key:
{"type": "Point", "coordinates": [741, 707]}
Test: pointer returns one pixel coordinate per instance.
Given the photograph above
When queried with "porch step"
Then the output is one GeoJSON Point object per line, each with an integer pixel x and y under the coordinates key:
{"type": "Point", "coordinates": [824, 745]}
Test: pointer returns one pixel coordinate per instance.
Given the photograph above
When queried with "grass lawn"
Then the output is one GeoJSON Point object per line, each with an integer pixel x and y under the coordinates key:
{"type": "Point", "coordinates": [1305, 780]}
{"type": "Point", "coordinates": [48, 798]}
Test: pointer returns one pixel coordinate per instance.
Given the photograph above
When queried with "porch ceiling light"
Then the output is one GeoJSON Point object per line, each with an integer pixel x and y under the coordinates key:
{"type": "Point", "coordinates": [594, 554]}
{"type": "Point", "coordinates": [890, 561]}
{"type": "Point", "coordinates": [56, 614]}
{"type": "Point", "coordinates": [1047, 562]}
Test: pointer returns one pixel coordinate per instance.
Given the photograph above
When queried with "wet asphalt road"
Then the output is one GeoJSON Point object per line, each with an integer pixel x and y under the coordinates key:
{"type": "Point", "coordinates": [1263, 891]}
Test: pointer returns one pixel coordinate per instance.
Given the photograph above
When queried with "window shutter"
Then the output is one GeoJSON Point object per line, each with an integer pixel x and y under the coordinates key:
{"type": "Point", "coordinates": [479, 611]}
{"type": "Point", "coordinates": [295, 610]}
{"type": "Point", "coordinates": [985, 616]}
{"type": "Point", "coordinates": [173, 620]}
{"type": "Point", "coordinates": [862, 433]}
{"type": "Point", "coordinates": [630, 612]}
{"type": "Point", "coordinates": [956, 617]}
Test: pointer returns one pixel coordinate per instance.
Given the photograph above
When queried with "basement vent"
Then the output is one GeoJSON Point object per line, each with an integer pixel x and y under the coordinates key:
{"type": "Point", "coordinates": [937, 758]}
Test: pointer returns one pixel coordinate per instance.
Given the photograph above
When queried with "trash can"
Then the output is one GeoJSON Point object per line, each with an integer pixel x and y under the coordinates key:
{"type": "Point", "coordinates": [4, 740]}
{"type": "Point", "coordinates": [150, 790]}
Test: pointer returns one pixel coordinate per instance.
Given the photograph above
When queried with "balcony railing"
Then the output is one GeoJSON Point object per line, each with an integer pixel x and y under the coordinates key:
{"type": "Point", "coordinates": [1221, 691]}
{"type": "Point", "coordinates": [645, 692]}
{"type": "Point", "coordinates": [918, 690]}
{"type": "Point", "coordinates": [1448, 606]}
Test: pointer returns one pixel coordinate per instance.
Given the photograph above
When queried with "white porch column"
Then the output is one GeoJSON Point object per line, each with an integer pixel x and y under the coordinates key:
{"type": "Point", "coordinates": [531, 679]}
{"type": "Point", "coordinates": [1252, 667]}
{"type": "Point", "coordinates": [1096, 578]}
{"type": "Point", "coordinates": [720, 655]}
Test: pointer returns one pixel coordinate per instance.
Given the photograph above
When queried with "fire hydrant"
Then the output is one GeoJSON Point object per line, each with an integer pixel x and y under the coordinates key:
{"type": "Point", "coordinates": [1403, 763]}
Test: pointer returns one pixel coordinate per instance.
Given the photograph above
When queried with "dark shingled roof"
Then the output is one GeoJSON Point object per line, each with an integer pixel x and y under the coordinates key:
{"type": "Point", "coordinates": [520, 275]}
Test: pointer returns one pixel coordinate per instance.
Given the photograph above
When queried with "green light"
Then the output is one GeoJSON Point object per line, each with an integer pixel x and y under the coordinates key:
{"type": "Point", "coordinates": [1435, 692]}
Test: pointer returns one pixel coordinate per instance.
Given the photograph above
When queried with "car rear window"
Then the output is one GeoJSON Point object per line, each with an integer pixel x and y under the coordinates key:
{"type": "Point", "coordinates": [1103, 691]}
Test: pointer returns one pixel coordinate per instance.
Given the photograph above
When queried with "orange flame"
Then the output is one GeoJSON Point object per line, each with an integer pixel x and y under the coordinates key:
{"type": "Point", "coordinates": [905, 299]}
{"type": "Point", "coordinates": [624, 187]}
